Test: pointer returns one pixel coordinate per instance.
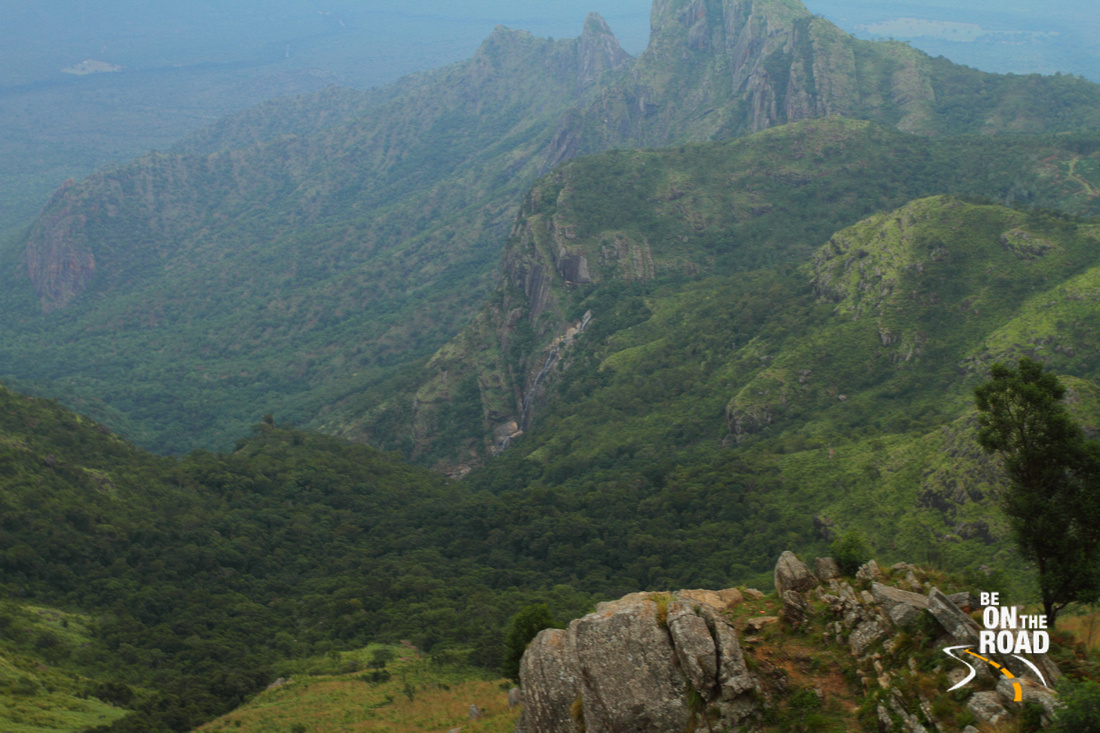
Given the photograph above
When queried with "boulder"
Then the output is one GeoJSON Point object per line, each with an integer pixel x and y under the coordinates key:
{"type": "Point", "coordinates": [825, 568]}
{"type": "Point", "coordinates": [903, 615]}
{"type": "Point", "coordinates": [694, 646]}
{"type": "Point", "coordinates": [733, 674]}
{"type": "Point", "coordinates": [868, 571]}
{"type": "Point", "coordinates": [1030, 692]}
{"type": "Point", "coordinates": [630, 664]}
{"type": "Point", "coordinates": [718, 599]}
{"type": "Point", "coordinates": [888, 597]}
{"type": "Point", "coordinates": [754, 625]}
{"type": "Point", "coordinates": [792, 574]}
{"type": "Point", "coordinates": [864, 635]}
{"type": "Point", "coordinates": [550, 676]}
{"type": "Point", "coordinates": [987, 707]}
{"type": "Point", "coordinates": [631, 678]}
{"type": "Point", "coordinates": [795, 610]}
{"type": "Point", "coordinates": [903, 607]}
{"type": "Point", "coordinates": [956, 623]}
{"type": "Point", "coordinates": [966, 601]}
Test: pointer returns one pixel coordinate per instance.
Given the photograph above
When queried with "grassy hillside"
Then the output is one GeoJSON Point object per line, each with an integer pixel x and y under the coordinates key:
{"type": "Point", "coordinates": [809, 401]}
{"type": "Point", "coordinates": [189, 582]}
{"type": "Point", "coordinates": [361, 691]}
{"type": "Point", "coordinates": [41, 690]}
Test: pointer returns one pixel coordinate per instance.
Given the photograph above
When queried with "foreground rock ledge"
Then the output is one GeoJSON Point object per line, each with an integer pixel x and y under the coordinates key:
{"type": "Point", "coordinates": [647, 662]}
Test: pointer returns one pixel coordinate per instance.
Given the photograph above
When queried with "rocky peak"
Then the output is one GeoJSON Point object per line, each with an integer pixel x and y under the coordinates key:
{"type": "Point", "coordinates": [598, 51]}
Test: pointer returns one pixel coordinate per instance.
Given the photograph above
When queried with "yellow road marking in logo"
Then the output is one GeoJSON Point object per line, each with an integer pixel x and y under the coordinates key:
{"type": "Point", "coordinates": [1015, 685]}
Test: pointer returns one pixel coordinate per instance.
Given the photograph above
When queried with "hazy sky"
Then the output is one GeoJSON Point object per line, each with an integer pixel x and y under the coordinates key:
{"type": "Point", "coordinates": [371, 41]}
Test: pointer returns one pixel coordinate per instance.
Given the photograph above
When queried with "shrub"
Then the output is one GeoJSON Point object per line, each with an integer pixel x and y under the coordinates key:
{"type": "Point", "coordinates": [1082, 707]}
{"type": "Point", "coordinates": [850, 551]}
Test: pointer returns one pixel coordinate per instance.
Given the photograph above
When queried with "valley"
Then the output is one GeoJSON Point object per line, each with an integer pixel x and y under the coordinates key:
{"type": "Point", "coordinates": [354, 371]}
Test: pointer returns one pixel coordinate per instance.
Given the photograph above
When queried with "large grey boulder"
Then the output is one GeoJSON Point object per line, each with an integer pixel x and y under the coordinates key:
{"type": "Point", "coordinates": [733, 674]}
{"type": "Point", "coordinates": [868, 571]}
{"type": "Point", "coordinates": [792, 574]}
{"type": "Point", "coordinates": [825, 568]}
{"type": "Point", "coordinates": [888, 596]}
{"type": "Point", "coordinates": [903, 607]}
{"type": "Point", "coordinates": [631, 679]}
{"type": "Point", "coordinates": [795, 609]}
{"type": "Point", "coordinates": [551, 683]}
{"type": "Point", "coordinates": [631, 664]}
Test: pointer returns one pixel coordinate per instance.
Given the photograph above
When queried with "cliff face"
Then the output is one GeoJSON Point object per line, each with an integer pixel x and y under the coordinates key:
{"type": "Point", "coordinates": [301, 164]}
{"type": "Point", "coordinates": [863, 653]}
{"type": "Point", "coordinates": [744, 65]}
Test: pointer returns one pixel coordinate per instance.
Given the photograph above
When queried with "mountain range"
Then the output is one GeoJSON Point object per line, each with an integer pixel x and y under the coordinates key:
{"type": "Point", "coordinates": [664, 317]}
{"type": "Point", "coordinates": [315, 251]}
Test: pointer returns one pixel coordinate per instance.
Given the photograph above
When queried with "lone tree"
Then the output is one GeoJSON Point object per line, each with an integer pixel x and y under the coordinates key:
{"type": "Point", "coordinates": [1053, 496]}
{"type": "Point", "coordinates": [525, 626]}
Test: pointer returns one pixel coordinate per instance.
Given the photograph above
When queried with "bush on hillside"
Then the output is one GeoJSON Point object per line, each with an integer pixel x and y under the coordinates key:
{"type": "Point", "coordinates": [850, 551]}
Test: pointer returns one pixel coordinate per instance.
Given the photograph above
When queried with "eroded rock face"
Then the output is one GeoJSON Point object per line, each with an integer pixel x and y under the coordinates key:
{"type": "Point", "coordinates": [631, 665]}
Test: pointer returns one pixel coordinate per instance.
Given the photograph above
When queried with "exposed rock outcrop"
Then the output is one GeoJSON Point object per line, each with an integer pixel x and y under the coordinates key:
{"type": "Point", "coordinates": [792, 574]}
{"type": "Point", "coordinates": [675, 662]}
{"type": "Point", "coordinates": [551, 682]}
{"type": "Point", "coordinates": [647, 662]}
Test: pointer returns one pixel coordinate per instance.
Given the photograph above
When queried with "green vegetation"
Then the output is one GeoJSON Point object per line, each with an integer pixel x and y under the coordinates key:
{"type": "Point", "coordinates": [783, 343]}
{"type": "Point", "coordinates": [648, 223]}
{"type": "Point", "coordinates": [328, 694]}
{"type": "Point", "coordinates": [1082, 707]}
{"type": "Point", "coordinates": [850, 552]}
{"type": "Point", "coordinates": [39, 690]}
{"type": "Point", "coordinates": [524, 627]}
{"type": "Point", "coordinates": [200, 576]}
{"type": "Point", "coordinates": [307, 257]}
{"type": "Point", "coordinates": [1053, 496]}
{"type": "Point", "coordinates": [803, 398]}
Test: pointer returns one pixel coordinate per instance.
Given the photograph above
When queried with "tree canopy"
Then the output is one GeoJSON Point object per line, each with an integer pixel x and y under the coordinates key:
{"type": "Point", "coordinates": [1053, 495]}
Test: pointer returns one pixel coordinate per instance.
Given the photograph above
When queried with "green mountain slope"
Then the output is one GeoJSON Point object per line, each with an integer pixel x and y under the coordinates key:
{"type": "Point", "coordinates": [319, 250]}
{"type": "Point", "coordinates": [194, 578]}
{"type": "Point", "coordinates": [690, 432]}
{"type": "Point", "coordinates": [634, 220]}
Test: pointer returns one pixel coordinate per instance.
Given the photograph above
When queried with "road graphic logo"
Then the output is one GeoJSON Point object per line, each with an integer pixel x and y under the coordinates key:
{"type": "Point", "coordinates": [1006, 632]}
